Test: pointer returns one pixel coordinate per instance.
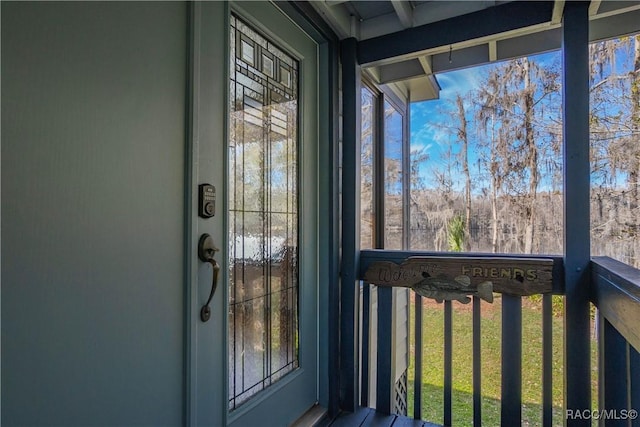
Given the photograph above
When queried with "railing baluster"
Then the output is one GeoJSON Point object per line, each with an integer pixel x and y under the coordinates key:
{"type": "Point", "coordinates": [448, 347]}
{"type": "Point", "coordinates": [547, 360]}
{"type": "Point", "coordinates": [386, 335]}
{"type": "Point", "coordinates": [613, 350]}
{"type": "Point", "coordinates": [477, 363]}
{"type": "Point", "coordinates": [365, 340]}
{"type": "Point", "coordinates": [417, 388]}
{"type": "Point", "coordinates": [511, 408]}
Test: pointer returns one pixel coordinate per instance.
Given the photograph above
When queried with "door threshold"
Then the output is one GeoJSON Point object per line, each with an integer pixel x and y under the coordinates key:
{"type": "Point", "coordinates": [310, 418]}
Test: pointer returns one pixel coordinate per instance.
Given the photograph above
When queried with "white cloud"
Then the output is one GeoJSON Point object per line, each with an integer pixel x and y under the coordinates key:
{"type": "Point", "coordinates": [460, 81]}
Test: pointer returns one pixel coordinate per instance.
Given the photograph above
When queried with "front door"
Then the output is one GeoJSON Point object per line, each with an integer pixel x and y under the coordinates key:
{"type": "Point", "coordinates": [254, 362]}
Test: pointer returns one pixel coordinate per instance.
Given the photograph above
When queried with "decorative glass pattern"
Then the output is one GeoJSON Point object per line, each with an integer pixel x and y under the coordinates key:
{"type": "Point", "coordinates": [263, 213]}
{"type": "Point", "coordinates": [267, 65]}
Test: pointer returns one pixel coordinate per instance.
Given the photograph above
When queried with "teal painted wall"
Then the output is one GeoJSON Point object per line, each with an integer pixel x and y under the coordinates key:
{"type": "Point", "coordinates": [93, 146]}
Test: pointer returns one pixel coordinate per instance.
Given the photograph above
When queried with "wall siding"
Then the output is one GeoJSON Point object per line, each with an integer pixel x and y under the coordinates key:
{"type": "Point", "coordinates": [93, 108]}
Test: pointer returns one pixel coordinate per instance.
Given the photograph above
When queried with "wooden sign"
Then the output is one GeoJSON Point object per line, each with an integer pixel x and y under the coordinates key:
{"type": "Point", "coordinates": [453, 277]}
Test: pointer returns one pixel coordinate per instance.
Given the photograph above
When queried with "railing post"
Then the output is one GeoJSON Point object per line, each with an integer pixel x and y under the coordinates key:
{"type": "Point", "coordinates": [575, 87]}
{"type": "Point", "coordinates": [365, 349]}
{"type": "Point", "coordinates": [417, 388]}
{"type": "Point", "coordinates": [448, 365]}
{"type": "Point", "coordinates": [349, 291]}
{"type": "Point", "coordinates": [384, 380]}
{"type": "Point", "coordinates": [511, 407]}
{"type": "Point", "coordinates": [547, 360]}
{"type": "Point", "coordinates": [477, 363]}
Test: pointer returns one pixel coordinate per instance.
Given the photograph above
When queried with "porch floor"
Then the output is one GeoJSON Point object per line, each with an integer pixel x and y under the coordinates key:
{"type": "Point", "coordinates": [367, 417]}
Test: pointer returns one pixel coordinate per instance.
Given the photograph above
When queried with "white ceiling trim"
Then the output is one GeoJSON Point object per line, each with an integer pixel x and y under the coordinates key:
{"type": "Point", "coordinates": [633, 5]}
{"type": "Point", "coordinates": [558, 9]}
{"type": "Point", "coordinates": [493, 50]}
{"type": "Point", "coordinates": [425, 61]}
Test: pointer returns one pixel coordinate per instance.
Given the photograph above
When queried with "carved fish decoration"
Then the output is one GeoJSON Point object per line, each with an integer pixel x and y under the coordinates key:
{"type": "Point", "coordinates": [443, 288]}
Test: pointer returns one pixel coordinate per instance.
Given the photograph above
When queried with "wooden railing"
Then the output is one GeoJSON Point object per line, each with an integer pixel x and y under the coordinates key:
{"type": "Point", "coordinates": [615, 291]}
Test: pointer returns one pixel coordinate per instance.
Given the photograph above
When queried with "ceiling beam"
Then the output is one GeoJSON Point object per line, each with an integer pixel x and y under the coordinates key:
{"type": "Point", "coordinates": [493, 50]}
{"type": "Point", "coordinates": [404, 11]}
{"type": "Point", "coordinates": [400, 71]}
{"type": "Point", "coordinates": [530, 44]}
{"type": "Point", "coordinates": [335, 16]}
{"type": "Point", "coordinates": [488, 22]}
{"type": "Point", "coordinates": [462, 58]}
{"type": "Point", "coordinates": [558, 9]}
{"type": "Point", "coordinates": [594, 6]}
{"type": "Point", "coordinates": [610, 8]}
{"type": "Point", "coordinates": [354, 27]}
{"type": "Point", "coordinates": [425, 61]}
{"type": "Point", "coordinates": [614, 25]}
{"type": "Point", "coordinates": [380, 25]}
{"type": "Point", "coordinates": [433, 11]}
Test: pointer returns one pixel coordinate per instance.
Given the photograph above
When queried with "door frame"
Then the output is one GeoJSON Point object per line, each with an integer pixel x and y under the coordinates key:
{"type": "Point", "coordinates": [206, 362]}
{"type": "Point", "coordinates": [205, 87]}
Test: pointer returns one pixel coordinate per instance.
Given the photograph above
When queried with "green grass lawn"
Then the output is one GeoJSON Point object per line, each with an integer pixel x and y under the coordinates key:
{"type": "Point", "coordinates": [462, 394]}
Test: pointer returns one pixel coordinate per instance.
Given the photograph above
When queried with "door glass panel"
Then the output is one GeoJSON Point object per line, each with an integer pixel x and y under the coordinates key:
{"type": "Point", "coordinates": [366, 168]}
{"type": "Point", "coordinates": [263, 213]}
{"type": "Point", "coordinates": [393, 204]}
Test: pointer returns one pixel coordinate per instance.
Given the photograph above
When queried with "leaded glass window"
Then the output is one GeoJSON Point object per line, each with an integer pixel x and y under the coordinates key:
{"type": "Point", "coordinates": [263, 213]}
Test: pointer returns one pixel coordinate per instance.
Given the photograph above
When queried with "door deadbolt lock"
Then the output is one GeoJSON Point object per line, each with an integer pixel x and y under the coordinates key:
{"type": "Point", "coordinates": [206, 200]}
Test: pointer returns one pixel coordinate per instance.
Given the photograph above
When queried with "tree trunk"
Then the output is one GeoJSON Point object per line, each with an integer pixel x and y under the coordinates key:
{"type": "Point", "coordinates": [493, 168]}
{"type": "Point", "coordinates": [634, 172]}
{"type": "Point", "coordinates": [532, 160]}
{"type": "Point", "coordinates": [462, 135]}
{"type": "Point", "coordinates": [494, 216]}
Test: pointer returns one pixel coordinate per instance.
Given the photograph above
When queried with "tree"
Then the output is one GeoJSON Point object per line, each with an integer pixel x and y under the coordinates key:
{"type": "Point", "coordinates": [464, 158]}
{"type": "Point", "coordinates": [634, 166]}
{"type": "Point", "coordinates": [456, 234]}
{"type": "Point", "coordinates": [512, 131]}
{"type": "Point", "coordinates": [512, 100]}
{"type": "Point", "coordinates": [496, 151]}
{"type": "Point", "coordinates": [366, 169]}
{"type": "Point", "coordinates": [615, 148]}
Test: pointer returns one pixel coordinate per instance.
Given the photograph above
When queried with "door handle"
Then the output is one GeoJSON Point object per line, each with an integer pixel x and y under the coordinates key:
{"type": "Point", "coordinates": [206, 252]}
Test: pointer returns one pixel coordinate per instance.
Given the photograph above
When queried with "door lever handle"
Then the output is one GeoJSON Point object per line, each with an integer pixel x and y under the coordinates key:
{"type": "Point", "coordinates": [206, 252]}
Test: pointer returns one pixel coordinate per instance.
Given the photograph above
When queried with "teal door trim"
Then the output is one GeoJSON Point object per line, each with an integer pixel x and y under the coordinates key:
{"type": "Point", "coordinates": [205, 349]}
{"type": "Point", "coordinates": [306, 17]}
{"type": "Point", "coordinates": [190, 268]}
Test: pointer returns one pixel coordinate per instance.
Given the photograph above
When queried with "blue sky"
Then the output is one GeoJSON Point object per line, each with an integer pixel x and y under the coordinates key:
{"type": "Point", "coordinates": [429, 120]}
{"type": "Point", "coordinates": [427, 116]}
{"type": "Point", "coordinates": [431, 125]}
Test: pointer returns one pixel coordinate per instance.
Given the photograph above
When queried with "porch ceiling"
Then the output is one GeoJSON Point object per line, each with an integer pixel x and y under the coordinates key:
{"type": "Point", "coordinates": [413, 74]}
